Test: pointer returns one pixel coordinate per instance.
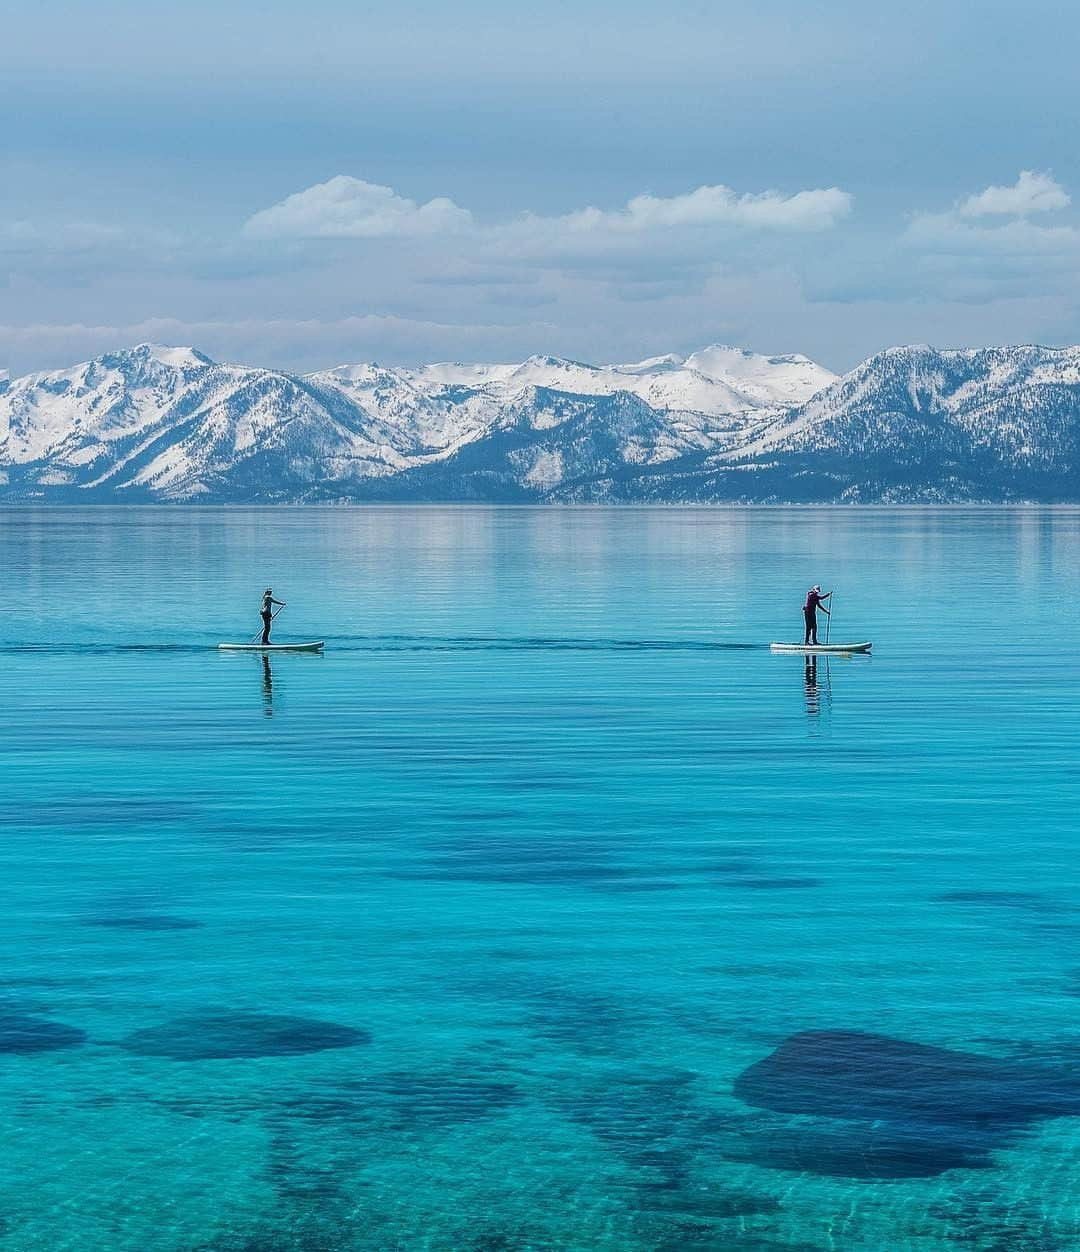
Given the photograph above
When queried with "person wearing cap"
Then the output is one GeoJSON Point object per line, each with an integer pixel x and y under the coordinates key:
{"type": "Point", "coordinates": [814, 601]}
{"type": "Point", "coordinates": [267, 613]}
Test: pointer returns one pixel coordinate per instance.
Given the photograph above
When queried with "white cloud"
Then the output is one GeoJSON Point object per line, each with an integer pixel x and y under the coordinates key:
{"type": "Point", "coordinates": [349, 208]}
{"type": "Point", "coordinates": [949, 233]}
{"type": "Point", "coordinates": [987, 248]}
{"type": "Point", "coordinates": [819, 209]}
{"type": "Point", "coordinates": [962, 231]}
{"type": "Point", "coordinates": [1031, 193]}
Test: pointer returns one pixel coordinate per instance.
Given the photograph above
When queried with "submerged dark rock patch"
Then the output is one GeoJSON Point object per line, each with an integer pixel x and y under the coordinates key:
{"type": "Point", "coordinates": [846, 1073]}
{"type": "Point", "coordinates": [736, 865]}
{"type": "Point", "coordinates": [139, 921]}
{"type": "Point", "coordinates": [864, 1150]}
{"type": "Point", "coordinates": [100, 810]}
{"type": "Point", "coordinates": [439, 1097]}
{"type": "Point", "coordinates": [532, 859]}
{"type": "Point", "coordinates": [406, 1099]}
{"type": "Point", "coordinates": [222, 1036]}
{"type": "Point", "coordinates": [759, 969]}
{"type": "Point", "coordinates": [498, 1241]}
{"type": "Point", "coordinates": [627, 886]}
{"type": "Point", "coordinates": [705, 1219]}
{"type": "Point", "coordinates": [650, 1119]}
{"type": "Point", "coordinates": [554, 870]}
{"type": "Point", "coordinates": [911, 1110]}
{"type": "Point", "coordinates": [777, 883]}
{"type": "Point", "coordinates": [585, 1020]}
{"type": "Point", "coordinates": [295, 1178]}
{"type": "Point", "coordinates": [1031, 901]}
{"type": "Point", "coordinates": [23, 1034]}
{"type": "Point", "coordinates": [32, 980]}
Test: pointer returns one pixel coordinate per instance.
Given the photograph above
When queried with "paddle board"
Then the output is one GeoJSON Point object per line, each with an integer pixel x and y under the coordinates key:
{"type": "Point", "coordinates": [273, 647]}
{"type": "Point", "coordinates": [820, 647]}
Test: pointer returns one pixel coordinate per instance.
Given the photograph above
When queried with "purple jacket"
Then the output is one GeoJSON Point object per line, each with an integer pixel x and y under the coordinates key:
{"type": "Point", "coordinates": [813, 601]}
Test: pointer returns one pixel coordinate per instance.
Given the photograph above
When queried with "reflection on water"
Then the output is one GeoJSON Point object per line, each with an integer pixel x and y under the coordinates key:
{"type": "Point", "coordinates": [530, 915]}
{"type": "Point", "coordinates": [813, 700]}
{"type": "Point", "coordinates": [818, 692]}
{"type": "Point", "coordinates": [267, 686]}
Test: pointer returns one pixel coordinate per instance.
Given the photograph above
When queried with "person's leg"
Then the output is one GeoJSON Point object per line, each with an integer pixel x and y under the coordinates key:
{"type": "Point", "coordinates": [808, 622]}
{"type": "Point", "coordinates": [266, 628]}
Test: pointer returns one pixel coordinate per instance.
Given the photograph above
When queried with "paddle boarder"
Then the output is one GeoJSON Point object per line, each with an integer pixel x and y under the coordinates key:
{"type": "Point", "coordinates": [814, 600]}
{"type": "Point", "coordinates": [267, 613]}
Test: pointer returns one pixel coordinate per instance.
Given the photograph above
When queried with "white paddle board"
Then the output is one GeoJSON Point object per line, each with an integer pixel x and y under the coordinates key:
{"type": "Point", "coordinates": [820, 647]}
{"type": "Point", "coordinates": [273, 647]}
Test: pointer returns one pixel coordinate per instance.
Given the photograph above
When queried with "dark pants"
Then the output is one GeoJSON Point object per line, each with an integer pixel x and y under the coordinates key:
{"type": "Point", "coordinates": [810, 618]}
{"type": "Point", "coordinates": [266, 626]}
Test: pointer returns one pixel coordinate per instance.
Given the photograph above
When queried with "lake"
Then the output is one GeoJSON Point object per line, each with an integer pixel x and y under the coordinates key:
{"type": "Point", "coordinates": [547, 909]}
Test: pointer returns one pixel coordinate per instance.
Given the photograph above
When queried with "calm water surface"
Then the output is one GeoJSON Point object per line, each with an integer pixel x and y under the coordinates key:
{"type": "Point", "coordinates": [547, 909]}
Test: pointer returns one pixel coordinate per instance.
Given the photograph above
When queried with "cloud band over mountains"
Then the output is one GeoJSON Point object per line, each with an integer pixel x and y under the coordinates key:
{"type": "Point", "coordinates": [350, 268]}
{"type": "Point", "coordinates": [344, 207]}
{"type": "Point", "coordinates": [349, 208]}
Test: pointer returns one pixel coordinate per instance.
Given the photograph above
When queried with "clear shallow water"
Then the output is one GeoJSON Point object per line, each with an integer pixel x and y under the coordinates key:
{"type": "Point", "coordinates": [475, 932]}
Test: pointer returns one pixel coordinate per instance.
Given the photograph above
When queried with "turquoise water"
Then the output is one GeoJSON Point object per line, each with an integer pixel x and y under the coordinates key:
{"type": "Point", "coordinates": [502, 924]}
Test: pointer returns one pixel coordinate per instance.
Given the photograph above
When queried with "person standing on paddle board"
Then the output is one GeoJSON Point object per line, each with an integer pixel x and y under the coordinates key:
{"type": "Point", "coordinates": [267, 613]}
{"type": "Point", "coordinates": [814, 601]}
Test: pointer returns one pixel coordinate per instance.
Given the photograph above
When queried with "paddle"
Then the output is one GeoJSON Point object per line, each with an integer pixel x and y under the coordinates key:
{"type": "Point", "coordinates": [258, 634]}
{"type": "Point", "coordinates": [828, 620]}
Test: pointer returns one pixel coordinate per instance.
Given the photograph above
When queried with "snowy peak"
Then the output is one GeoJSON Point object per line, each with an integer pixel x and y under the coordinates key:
{"type": "Point", "coordinates": [149, 361]}
{"type": "Point", "coordinates": [781, 380]}
{"type": "Point", "coordinates": [717, 382]}
{"type": "Point", "coordinates": [455, 374]}
{"type": "Point", "coordinates": [653, 365]}
{"type": "Point", "coordinates": [431, 410]}
{"type": "Point", "coordinates": [174, 357]}
{"type": "Point", "coordinates": [921, 379]}
{"type": "Point", "coordinates": [74, 412]}
{"type": "Point", "coordinates": [920, 423]}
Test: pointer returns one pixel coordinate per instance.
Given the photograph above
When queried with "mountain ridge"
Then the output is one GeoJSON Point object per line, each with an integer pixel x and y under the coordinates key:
{"type": "Point", "coordinates": [913, 423]}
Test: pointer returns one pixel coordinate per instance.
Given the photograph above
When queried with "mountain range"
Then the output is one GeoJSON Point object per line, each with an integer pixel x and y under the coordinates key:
{"type": "Point", "coordinates": [163, 424]}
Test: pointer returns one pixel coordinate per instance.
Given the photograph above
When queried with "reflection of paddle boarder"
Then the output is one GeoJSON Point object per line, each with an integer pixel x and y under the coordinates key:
{"type": "Point", "coordinates": [813, 700]}
{"type": "Point", "coordinates": [814, 601]}
{"type": "Point", "coordinates": [267, 613]}
{"type": "Point", "coordinates": [268, 687]}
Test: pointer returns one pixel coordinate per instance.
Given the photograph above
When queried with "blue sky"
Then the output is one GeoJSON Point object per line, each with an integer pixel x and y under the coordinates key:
{"type": "Point", "coordinates": [301, 185]}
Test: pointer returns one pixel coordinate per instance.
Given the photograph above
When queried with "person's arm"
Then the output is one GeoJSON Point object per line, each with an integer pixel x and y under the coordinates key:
{"type": "Point", "coordinates": [281, 602]}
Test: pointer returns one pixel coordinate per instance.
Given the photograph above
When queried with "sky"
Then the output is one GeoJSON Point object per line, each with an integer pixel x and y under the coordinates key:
{"type": "Point", "coordinates": [303, 185]}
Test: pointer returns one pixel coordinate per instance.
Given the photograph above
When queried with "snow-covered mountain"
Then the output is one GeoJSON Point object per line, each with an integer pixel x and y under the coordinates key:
{"type": "Point", "coordinates": [719, 383]}
{"type": "Point", "coordinates": [917, 423]}
{"type": "Point", "coordinates": [169, 424]}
